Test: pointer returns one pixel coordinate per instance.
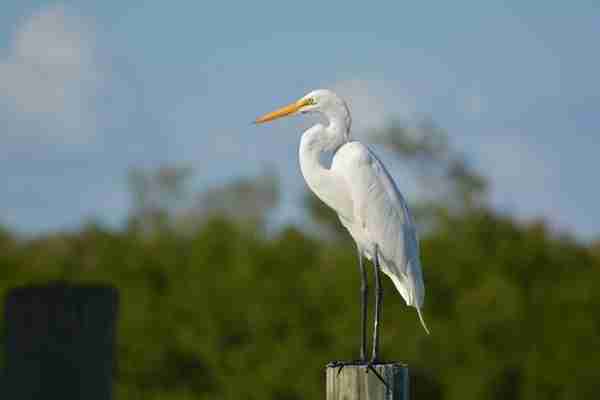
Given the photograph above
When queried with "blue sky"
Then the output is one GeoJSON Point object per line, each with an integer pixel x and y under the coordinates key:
{"type": "Point", "coordinates": [91, 89]}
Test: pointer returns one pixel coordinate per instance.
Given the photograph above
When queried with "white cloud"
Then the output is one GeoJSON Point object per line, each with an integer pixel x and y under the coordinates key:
{"type": "Point", "coordinates": [474, 104]}
{"type": "Point", "coordinates": [373, 103]}
{"type": "Point", "coordinates": [49, 78]}
{"type": "Point", "coordinates": [514, 167]}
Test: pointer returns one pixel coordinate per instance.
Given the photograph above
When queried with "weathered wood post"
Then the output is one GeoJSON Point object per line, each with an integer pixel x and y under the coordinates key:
{"type": "Point", "coordinates": [59, 342]}
{"type": "Point", "coordinates": [354, 383]}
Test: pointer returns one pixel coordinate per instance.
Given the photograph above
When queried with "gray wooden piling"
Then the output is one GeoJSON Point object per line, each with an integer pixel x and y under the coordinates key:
{"type": "Point", "coordinates": [353, 383]}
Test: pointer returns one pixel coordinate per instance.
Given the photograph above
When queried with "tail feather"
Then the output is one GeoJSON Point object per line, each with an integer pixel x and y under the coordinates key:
{"type": "Point", "coordinates": [422, 320]}
{"type": "Point", "coordinates": [411, 289]}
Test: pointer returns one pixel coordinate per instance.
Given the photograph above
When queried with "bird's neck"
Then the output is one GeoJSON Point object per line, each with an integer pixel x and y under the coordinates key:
{"type": "Point", "coordinates": [315, 141]}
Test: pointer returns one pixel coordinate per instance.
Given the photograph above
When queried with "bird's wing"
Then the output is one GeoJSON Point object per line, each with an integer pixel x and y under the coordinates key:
{"type": "Point", "coordinates": [381, 218]}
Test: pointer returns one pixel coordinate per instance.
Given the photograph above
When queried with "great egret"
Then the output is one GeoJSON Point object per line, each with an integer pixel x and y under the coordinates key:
{"type": "Point", "coordinates": [362, 192]}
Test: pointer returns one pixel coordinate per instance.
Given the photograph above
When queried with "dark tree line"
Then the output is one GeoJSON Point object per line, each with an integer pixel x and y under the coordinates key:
{"type": "Point", "coordinates": [220, 309]}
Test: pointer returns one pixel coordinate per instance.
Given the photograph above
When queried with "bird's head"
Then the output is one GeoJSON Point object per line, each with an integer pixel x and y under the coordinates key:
{"type": "Point", "coordinates": [320, 100]}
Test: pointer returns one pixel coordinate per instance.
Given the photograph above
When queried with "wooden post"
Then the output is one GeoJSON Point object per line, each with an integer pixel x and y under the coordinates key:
{"type": "Point", "coordinates": [353, 383]}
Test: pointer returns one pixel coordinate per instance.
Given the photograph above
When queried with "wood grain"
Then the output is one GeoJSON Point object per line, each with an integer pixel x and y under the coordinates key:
{"type": "Point", "coordinates": [353, 383]}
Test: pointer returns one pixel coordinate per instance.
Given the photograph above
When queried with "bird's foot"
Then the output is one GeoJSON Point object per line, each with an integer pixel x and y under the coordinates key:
{"type": "Point", "coordinates": [341, 364]}
{"type": "Point", "coordinates": [369, 366]}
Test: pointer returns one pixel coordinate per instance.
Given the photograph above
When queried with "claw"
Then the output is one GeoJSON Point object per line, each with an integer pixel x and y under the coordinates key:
{"type": "Point", "coordinates": [370, 367]}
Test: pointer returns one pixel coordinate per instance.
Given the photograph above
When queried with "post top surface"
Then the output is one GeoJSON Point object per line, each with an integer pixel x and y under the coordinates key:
{"type": "Point", "coordinates": [359, 363]}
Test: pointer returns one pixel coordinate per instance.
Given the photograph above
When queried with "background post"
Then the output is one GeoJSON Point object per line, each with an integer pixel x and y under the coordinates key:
{"type": "Point", "coordinates": [59, 342]}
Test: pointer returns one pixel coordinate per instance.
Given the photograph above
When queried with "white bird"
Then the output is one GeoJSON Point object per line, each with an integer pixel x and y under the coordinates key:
{"type": "Point", "coordinates": [361, 191]}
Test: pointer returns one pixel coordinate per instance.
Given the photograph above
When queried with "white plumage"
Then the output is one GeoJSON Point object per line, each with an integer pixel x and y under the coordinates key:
{"type": "Point", "coordinates": [380, 217]}
{"type": "Point", "coordinates": [362, 192]}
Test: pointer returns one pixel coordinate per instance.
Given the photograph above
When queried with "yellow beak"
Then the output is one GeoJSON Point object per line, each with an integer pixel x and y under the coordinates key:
{"type": "Point", "coordinates": [282, 112]}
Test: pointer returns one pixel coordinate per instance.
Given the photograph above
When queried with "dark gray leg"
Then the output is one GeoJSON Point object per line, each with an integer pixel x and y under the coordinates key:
{"type": "Point", "coordinates": [363, 311]}
{"type": "Point", "coordinates": [364, 288]}
{"type": "Point", "coordinates": [379, 296]}
{"type": "Point", "coordinates": [378, 301]}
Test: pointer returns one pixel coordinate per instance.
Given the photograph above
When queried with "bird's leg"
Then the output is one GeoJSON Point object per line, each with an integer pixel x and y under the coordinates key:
{"type": "Point", "coordinates": [364, 288]}
{"type": "Point", "coordinates": [363, 291]}
{"type": "Point", "coordinates": [378, 301]}
{"type": "Point", "coordinates": [379, 297]}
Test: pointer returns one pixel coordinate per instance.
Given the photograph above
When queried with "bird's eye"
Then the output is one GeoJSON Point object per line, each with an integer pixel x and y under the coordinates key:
{"type": "Point", "coordinates": [311, 101]}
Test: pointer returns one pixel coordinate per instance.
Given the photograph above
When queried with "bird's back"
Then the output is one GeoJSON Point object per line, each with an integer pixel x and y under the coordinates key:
{"type": "Point", "coordinates": [381, 218]}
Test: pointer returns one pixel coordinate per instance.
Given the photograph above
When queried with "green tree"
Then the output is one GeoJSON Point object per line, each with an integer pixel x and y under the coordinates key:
{"type": "Point", "coordinates": [225, 313]}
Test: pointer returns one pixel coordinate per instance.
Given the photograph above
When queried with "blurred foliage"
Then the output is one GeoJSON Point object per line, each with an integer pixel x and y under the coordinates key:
{"type": "Point", "coordinates": [443, 170]}
{"type": "Point", "coordinates": [157, 194]}
{"type": "Point", "coordinates": [163, 199]}
{"type": "Point", "coordinates": [246, 200]}
{"type": "Point", "coordinates": [212, 307]}
{"type": "Point", "coordinates": [226, 313]}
